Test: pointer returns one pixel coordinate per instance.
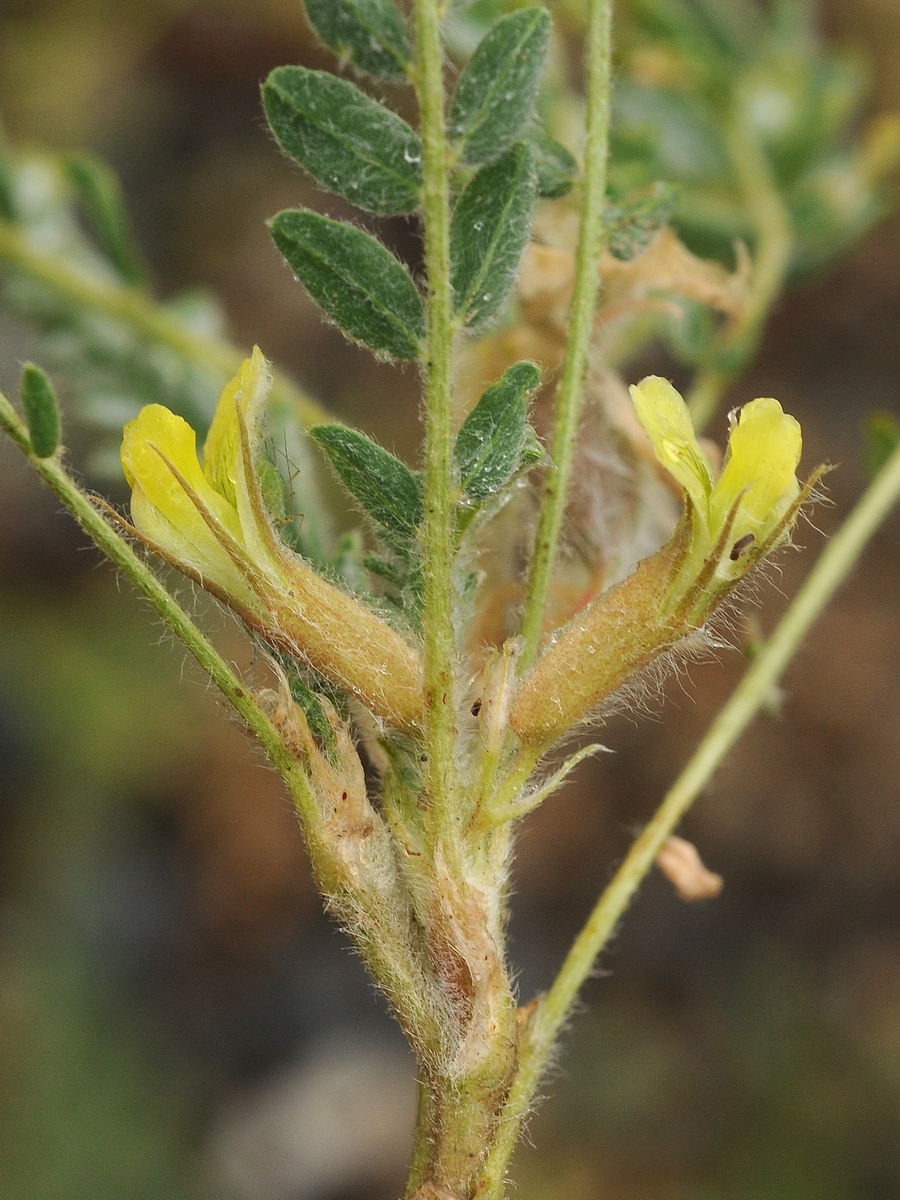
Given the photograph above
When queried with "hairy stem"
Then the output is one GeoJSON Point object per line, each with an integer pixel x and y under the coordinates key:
{"type": "Point", "coordinates": [139, 311]}
{"type": "Point", "coordinates": [567, 415]}
{"type": "Point", "coordinates": [751, 694]}
{"type": "Point", "coordinates": [437, 532]}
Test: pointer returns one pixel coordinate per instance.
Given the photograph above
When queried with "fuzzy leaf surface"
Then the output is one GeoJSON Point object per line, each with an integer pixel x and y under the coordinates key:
{"type": "Point", "coordinates": [41, 410]}
{"type": "Point", "coordinates": [348, 142]}
{"type": "Point", "coordinates": [488, 231]}
{"type": "Point", "coordinates": [493, 103]}
{"type": "Point", "coordinates": [311, 703]}
{"type": "Point", "coordinates": [382, 485]}
{"type": "Point", "coordinates": [371, 33]}
{"type": "Point", "coordinates": [489, 445]}
{"type": "Point", "coordinates": [356, 281]}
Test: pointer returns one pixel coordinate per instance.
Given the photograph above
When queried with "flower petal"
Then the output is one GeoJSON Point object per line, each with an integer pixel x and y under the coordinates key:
{"type": "Point", "coordinates": [153, 443]}
{"type": "Point", "coordinates": [666, 421]}
{"type": "Point", "coordinates": [237, 420]}
{"type": "Point", "coordinates": [760, 471]}
{"type": "Point", "coordinates": [221, 451]}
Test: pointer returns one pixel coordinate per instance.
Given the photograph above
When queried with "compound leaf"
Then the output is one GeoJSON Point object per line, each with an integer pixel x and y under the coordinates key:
{"type": "Point", "coordinates": [555, 167]}
{"type": "Point", "coordinates": [634, 223]}
{"type": "Point", "coordinates": [41, 410]}
{"type": "Point", "coordinates": [100, 193]}
{"type": "Point", "coordinates": [489, 446]}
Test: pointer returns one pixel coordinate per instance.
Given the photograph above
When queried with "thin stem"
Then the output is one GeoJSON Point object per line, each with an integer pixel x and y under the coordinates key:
{"type": "Point", "coordinates": [512, 811]}
{"type": "Point", "coordinates": [751, 694]}
{"type": "Point", "coordinates": [138, 310]}
{"type": "Point", "coordinates": [772, 256]}
{"type": "Point", "coordinates": [569, 402]}
{"type": "Point", "coordinates": [121, 553]}
{"type": "Point", "coordinates": [437, 533]}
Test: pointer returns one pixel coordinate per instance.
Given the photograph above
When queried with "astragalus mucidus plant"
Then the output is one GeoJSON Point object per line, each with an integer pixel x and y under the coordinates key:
{"type": "Point", "coordinates": [410, 749]}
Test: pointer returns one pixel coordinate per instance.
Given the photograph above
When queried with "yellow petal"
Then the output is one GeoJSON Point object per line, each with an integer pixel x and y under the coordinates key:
{"type": "Point", "coordinates": [666, 421]}
{"type": "Point", "coordinates": [153, 443]}
{"type": "Point", "coordinates": [760, 471]}
{"type": "Point", "coordinates": [221, 451]}
{"type": "Point", "coordinates": [241, 404]}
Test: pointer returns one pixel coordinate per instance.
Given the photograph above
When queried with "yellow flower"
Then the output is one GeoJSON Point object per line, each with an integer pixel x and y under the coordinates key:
{"type": "Point", "coordinates": [210, 522]}
{"type": "Point", "coordinates": [730, 523]}
{"type": "Point", "coordinates": [201, 518]}
{"type": "Point", "coordinates": [750, 508]}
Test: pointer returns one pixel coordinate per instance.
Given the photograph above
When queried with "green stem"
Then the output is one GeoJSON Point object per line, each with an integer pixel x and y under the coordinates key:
{"type": "Point", "coordinates": [773, 248]}
{"type": "Point", "coordinates": [751, 694]}
{"type": "Point", "coordinates": [437, 532]}
{"type": "Point", "coordinates": [569, 402]}
{"type": "Point", "coordinates": [121, 553]}
{"type": "Point", "coordinates": [138, 310]}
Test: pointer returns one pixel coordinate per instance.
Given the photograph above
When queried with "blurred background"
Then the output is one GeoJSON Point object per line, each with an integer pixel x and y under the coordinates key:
{"type": "Point", "coordinates": [178, 1020]}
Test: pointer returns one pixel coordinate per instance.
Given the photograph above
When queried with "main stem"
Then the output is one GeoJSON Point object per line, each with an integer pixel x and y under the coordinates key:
{"type": "Point", "coordinates": [834, 564]}
{"type": "Point", "coordinates": [437, 531]}
{"type": "Point", "coordinates": [569, 402]}
{"type": "Point", "coordinates": [464, 1085]}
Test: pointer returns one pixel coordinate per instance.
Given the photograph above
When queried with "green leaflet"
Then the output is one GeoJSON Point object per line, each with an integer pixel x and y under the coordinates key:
{"type": "Point", "coordinates": [633, 224]}
{"type": "Point", "coordinates": [349, 143]}
{"type": "Point", "coordinates": [555, 167]}
{"type": "Point", "coordinates": [382, 485]}
{"type": "Point", "coordinates": [41, 410]}
{"type": "Point", "coordinates": [371, 33]}
{"type": "Point", "coordinates": [311, 703]}
{"type": "Point", "coordinates": [494, 100]}
{"type": "Point", "coordinates": [488, 232]}
{"type": "Point", "coordinates": [100, 193]}
{"type": "Point", "coordinates": [356, 281]}
{"type": "Point", "coordinates": [490, 443]}
{"type": "Point", "coordinates": [308, 690]}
